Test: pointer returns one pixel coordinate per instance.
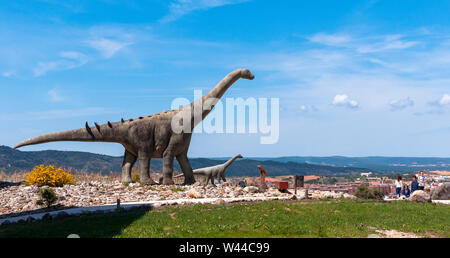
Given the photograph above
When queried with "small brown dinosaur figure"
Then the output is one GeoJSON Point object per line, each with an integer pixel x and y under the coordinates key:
{"type": "Point", "coordinates": [151, 136]}
{"type": "Point", "coordinates": [263, 173]}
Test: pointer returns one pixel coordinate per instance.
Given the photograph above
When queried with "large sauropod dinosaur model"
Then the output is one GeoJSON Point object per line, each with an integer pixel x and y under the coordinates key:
{"type": "Point", "coordinates": [217, 171]}
{"type": "Point", "coordinates": [152, 136]}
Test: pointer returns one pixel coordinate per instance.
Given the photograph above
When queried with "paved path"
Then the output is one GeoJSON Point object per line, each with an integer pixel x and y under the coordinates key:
{"type": "Point", "coordinates": [445, 202]}
{"type": "Point", "coordinates": [112, 207]}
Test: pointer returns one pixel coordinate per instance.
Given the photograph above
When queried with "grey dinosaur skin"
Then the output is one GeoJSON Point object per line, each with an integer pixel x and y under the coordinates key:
{"type": "Point", "coordinates": [149, 137]}
{"type": "Point", "coordinates": [217, 171]}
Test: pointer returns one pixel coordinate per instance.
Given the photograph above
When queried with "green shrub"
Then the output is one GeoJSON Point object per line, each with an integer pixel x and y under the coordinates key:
{"type": "Point", "coordinates": [136, 177]}
{"type": "Point", "coordinates": [377, 194]}
{"type": "Point", "coordinates": [363, 192]}
{"type": "Point", "coordinates": [177, 189]}
{"type": "Point", "coordinates": [48, 197]}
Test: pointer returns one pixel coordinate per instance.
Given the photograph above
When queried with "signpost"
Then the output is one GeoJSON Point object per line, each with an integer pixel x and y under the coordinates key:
{"type": "Point", "coordinates": [299, 181]}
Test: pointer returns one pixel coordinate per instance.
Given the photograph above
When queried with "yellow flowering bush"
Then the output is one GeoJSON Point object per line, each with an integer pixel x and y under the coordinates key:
{"type": "Point", "coordinates": [49, 175]}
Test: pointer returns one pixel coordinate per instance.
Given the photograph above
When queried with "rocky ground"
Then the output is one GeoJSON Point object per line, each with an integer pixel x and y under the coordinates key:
{"type": "Point", "coordinates": [20, 199]}
{"type": "Point", "coordinates": [391, 234]}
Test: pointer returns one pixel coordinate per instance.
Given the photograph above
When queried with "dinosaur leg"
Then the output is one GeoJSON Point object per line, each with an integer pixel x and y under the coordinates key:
{"type": "Point", "coordinates": [186, 168]}
{"type": "Point", "coordinates": [207, 177]}
{"type": "Point", "coordinates": [144, 167]}
{"type": "Point", "coordinates": [223, 178]}
{"type": "Point", "coordinates": [167, 168]}
{"type": "Point", "coordinates": [128, 162]}
{"type": "Point", "coordinates": [212, 181]}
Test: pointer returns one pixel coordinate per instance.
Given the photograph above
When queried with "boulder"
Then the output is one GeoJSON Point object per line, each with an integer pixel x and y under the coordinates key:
{"type": "Point", "coordinates": [419, 196]}
{"type": "Point", "coordinates": [349, 196]}
{"type": "Point", "coordinates": [165, 193]}
{"type": "Point", "coordinates": [317, 195]}
{"type": "Point", "coordinates": [302, 195]}
{"type": "Point", "coordinates": [237, 192]}
{"type": "Point", "coordinates": [193, 194]}
{"type": "Point", "coordinates": [338, 195]}
{"type": "Point", "coordinates": [262, 188]}
{"type": "Point", "coordinates": [441, 192]}
{"type": "Point", "coordinates": [328, 194]}
{"type": "Point", "coordinates": [251, 189]}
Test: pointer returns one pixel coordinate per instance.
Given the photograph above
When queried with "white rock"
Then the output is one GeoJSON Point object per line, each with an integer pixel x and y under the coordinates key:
{"type": "Point", "coordinates": [251, 189]}
{"type": "Point", "coordinates": [193, 194]}
{"type": "Point", "coordinates": [338, 196]}
{"type": "Point", "coordinates": [350, 196]}
{"type": "Point", "coordinates": [441, 192]}
{"type": "Point", "coordinates": [419, 196]}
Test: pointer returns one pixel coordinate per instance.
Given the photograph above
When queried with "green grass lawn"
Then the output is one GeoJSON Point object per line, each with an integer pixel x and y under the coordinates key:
{"type": "Point", "coordinates": [332, 218]}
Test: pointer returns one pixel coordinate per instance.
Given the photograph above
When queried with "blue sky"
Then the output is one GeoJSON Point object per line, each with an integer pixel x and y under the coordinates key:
{"type": "Point", "coordinates": [354, 78]}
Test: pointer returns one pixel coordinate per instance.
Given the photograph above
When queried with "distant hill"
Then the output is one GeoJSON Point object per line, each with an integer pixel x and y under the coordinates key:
{"type": "Point", "coordinates": [375, 163]}
{"type": "Point", "coordinates": [14, 160]}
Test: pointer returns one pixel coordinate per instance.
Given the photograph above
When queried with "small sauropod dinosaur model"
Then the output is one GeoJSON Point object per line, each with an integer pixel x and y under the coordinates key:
{"type": "Point", "coordinates": [262, 176]}
{"type": "Point", "coordinates": [217, 171]}
{"type": "Point", "coordinates": [152, 136]}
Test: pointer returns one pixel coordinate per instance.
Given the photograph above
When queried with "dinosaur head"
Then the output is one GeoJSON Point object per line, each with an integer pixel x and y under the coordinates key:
{"type": "Point", "coordinates": [246, 74]}
{"type": "Point", "coordinates": [239, 156]}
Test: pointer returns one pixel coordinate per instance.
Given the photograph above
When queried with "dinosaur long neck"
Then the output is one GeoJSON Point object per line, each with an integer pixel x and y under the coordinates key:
{"type": "Point", "coordinates": [230, 161]}
{"type": "Point", "coordinates": [202, 107]}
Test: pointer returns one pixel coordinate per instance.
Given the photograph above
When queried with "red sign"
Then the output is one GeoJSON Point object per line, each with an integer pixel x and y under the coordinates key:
{"type": "Point", "coordinates": [282, 185]}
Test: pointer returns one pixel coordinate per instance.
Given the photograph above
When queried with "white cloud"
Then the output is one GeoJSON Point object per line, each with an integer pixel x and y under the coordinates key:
{"type": "Point", "coordinates": [445, 100]}
{"type": "Point", "coordinates": [400, 104]}
{"type": "Point", "coordinates": [438, 106]}
{"type": "Point", "coordinates": [307, 108]}
{"type": "Point", "coordinates": [55, 96]}
{"type": "Point", "coordinates": [69, 60]}
{"type": "Point", "coordinates": [344, 101]}
{"type": "Point", "coordinates": [329, 39]}
{"type": "Point", "coordinates": [180, 8]}
{"type": "Point", "coordinates": [8, 74]}
{"type": "Point", "coordinates": [390, 42]}
{"type": "Point", "coordinates": [364, 45]}
{"type": "Point", "coordinates": [108, 47]}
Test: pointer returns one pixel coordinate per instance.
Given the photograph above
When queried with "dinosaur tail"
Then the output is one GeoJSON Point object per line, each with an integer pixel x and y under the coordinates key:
{"type": "Point", "coordinates": [195, 172]}
{"type": "Point", "coordinates": [88, 134]}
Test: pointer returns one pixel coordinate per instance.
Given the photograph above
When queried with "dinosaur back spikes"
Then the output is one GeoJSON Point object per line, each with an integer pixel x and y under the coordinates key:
{"type": "Point", "coordinates": [109, 124]}
{"type": "Point", "coordinates": [96, 125]}
{"type": "Point", "coordinates": [88, 129]}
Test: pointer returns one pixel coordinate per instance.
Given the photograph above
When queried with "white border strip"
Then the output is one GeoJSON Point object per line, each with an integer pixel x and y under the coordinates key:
{"type": "Point", "coordinates": [129, 205]}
